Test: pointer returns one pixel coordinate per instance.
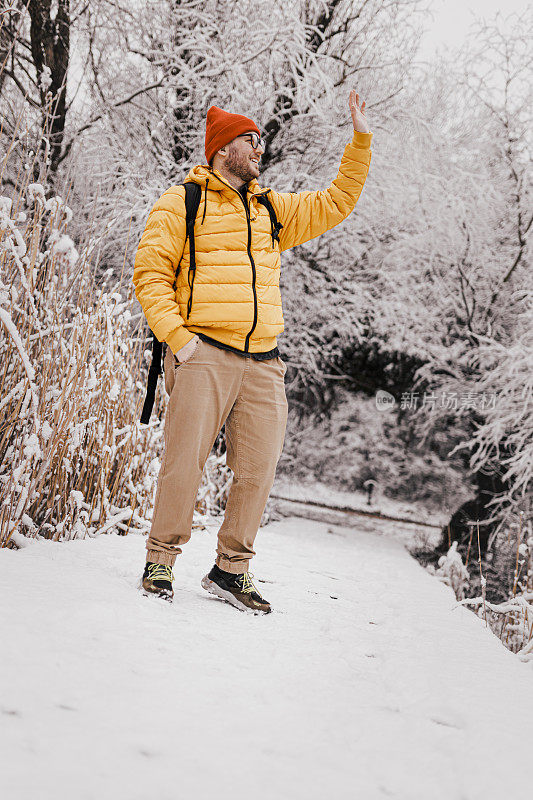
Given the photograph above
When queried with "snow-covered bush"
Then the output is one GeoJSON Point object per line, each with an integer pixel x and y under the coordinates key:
{"type": "Point", "coordinates": [512, 619]}
{"type": "Point", "coordinates": [453, 572]}
{"type": "Point", "coordinates": [74, 459]}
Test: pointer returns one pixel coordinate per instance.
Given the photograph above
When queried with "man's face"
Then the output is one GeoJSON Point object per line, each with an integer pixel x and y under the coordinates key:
{"type": "Point", "coordinates": [243, 158]}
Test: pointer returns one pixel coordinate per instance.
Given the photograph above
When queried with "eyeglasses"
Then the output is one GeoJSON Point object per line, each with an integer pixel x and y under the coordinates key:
{"type": "Point", "coordinates": [254, 139]}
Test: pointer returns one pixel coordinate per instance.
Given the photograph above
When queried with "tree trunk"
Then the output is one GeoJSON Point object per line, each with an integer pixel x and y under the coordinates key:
{"type": "Point", "coordinates": [50, 48]}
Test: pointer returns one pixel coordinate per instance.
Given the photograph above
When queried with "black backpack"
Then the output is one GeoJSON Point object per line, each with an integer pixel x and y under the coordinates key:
{"type": "Point", "coordinates": [193, 193]}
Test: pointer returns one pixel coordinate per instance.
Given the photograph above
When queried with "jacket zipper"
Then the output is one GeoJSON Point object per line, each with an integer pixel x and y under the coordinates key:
{"type": "Point", "coordinates": [254, 289]}
{"type": "Point", "coordinates": [252, 262]}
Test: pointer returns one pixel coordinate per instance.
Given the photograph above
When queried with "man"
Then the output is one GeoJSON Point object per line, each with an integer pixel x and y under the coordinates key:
{"type": "Point", "coordinates": [220, 322]}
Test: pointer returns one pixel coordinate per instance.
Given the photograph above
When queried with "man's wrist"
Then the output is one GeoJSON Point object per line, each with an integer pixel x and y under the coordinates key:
{"type": "Point", "coordinates": [187, 351]}
{"type": "Point", "coordinates": [179, 338]}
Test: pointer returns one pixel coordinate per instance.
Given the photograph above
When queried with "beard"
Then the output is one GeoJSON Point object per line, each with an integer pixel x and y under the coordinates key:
{"type": "Point", "coordinates": [240, 165]}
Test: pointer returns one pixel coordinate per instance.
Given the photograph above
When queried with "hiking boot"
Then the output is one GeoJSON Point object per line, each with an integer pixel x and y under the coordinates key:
{"type": "Point", "coordinates": [157, 579]}
{"type": "Point", "coordinates": [237, 590]}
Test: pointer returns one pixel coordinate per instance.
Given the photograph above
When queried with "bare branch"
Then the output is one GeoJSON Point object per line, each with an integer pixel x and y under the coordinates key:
{"type": "Point", "coordinates": [22, 89]}
{"type": "Point", "coordinates": [98, 117]}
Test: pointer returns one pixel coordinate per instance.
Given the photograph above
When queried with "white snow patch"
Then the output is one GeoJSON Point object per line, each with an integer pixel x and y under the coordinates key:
{"type": "Point", "coordinates": [35, 193]}
{"type": "Point", "coordinates": [367, 681]}
{"type": "Point", "coordinates": [45, 81]}
{"type": "Point", "coordinates": [32, 447]}
{"type": "Point", "coordinates": [114, 393]}
{"type": "Point", "coordinates": [46, 430]}
{"type": "Point", "coordinates": [63, 247]}
{"type": "Point", "coordinates": [6, 204]}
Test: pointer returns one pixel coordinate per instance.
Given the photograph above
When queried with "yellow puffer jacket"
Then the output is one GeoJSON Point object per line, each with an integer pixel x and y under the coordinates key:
{"type": "Point", "coordinates": [236, 298]}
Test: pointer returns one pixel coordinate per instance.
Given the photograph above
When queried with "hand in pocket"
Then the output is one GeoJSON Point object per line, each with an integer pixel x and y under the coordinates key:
{"type": "Point", "coordinates": [187, 351]}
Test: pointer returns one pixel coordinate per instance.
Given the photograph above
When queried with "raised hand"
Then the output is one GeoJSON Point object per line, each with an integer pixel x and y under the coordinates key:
{"type": "Point", "coordinates": [358, 113]}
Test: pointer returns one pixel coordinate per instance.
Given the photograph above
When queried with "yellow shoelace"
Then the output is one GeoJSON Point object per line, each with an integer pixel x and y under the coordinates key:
{"type": "Point", "coordinates": [247, 585]}
{"type": "Point", "coordinates": [160, 571]}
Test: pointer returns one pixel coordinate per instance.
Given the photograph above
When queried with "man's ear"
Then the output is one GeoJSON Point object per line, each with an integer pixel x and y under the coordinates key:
{"type": "Point", "coordinates": [223, 151]}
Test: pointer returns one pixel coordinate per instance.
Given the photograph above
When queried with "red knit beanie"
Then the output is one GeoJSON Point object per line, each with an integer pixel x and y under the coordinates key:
{"type": "Point", "coordinates": [222, 127]}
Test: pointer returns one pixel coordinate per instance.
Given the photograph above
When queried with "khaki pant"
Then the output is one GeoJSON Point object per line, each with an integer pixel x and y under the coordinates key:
{"type": "Point", "coordinates": [212, 388]}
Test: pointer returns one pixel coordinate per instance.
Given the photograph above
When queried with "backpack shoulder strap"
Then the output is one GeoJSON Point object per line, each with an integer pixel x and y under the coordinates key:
{"type": "Point", "coordinates": [192, 202]}
{"type": "Point", "coordinates": [275, 225]}
{"type": "Point", "coordinates": [193, 193]}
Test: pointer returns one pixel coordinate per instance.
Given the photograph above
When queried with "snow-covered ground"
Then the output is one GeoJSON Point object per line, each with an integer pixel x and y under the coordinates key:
{"type": "Point", "coordinates": [367, 681]}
